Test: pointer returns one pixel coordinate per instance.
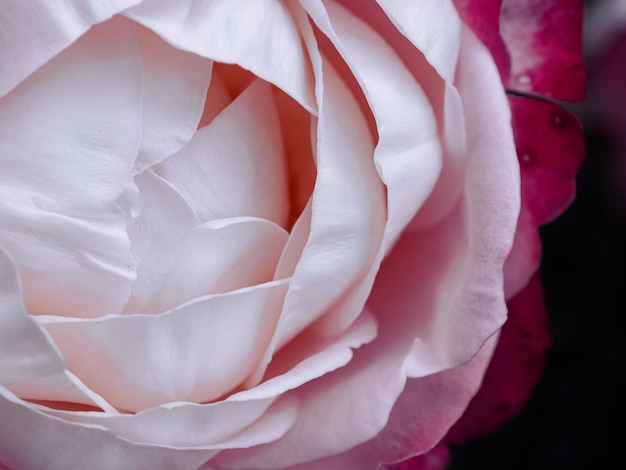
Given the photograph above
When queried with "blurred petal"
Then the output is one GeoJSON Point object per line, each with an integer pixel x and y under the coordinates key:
{"type": "Point", "coordinates": [174, 89]}
{"type": "Point", "coordinates": [33, 32]}
{"type": "Point", "coordinates": [550, 148]}
{"type": "Point", "coordinates": [197, 352]}
{"type": "Point", "coordinates": [258, 36]}
{"type": "Point", "coordinates": [235, 166]}
{"type": "Point", "coordinates": [63, 175]}
{"type": "Point", "coordinates": [544, 40]}
{"type": "Point", "coordinates": [483, 16]}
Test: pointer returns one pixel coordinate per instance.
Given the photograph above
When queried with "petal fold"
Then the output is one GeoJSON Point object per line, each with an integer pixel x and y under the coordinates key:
{"type": "Point", "coordinates": [257, 36]}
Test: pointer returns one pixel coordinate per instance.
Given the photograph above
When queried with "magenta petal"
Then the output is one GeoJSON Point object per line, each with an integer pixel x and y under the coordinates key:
{"type": "Point", "coordinates": [483, 16]}
{"type": "Point", "coordinates": [515, 367]}
{"type": "Point", "coordinates": [550, 147]}
{"type": "Point", "coordinates": [544, 40]}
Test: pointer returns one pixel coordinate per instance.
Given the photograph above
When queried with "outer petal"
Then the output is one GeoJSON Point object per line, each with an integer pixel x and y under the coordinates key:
{"type": "Point", "coordinates": [258, 36]}
{"type": "Point", "coordinates": [514, 370]}
{"type": "Point", "coordinates": [31, 33]}
{"type": "Point", "coordinates": [63, 175]}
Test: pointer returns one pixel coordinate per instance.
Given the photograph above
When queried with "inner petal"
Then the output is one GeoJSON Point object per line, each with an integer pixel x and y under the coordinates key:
{"type": "Point", "coordinates": [235, 166]}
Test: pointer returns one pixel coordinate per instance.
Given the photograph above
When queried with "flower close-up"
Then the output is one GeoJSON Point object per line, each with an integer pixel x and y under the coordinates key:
{"type": "Point", "coordinates": [264, 234]}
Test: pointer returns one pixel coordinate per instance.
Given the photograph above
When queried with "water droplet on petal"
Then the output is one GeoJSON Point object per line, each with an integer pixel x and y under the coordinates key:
{"type": "Point", "coordinates": [557, 121]}
{"type": "Point", "coordinates": [523, 79]}
{"type": "Point", "coordinates": [527, 157]}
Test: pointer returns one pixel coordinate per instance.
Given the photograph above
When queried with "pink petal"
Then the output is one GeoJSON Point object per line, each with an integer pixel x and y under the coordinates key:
{"type": "Point", "coordinates": [174, 88]}
{"type": "Point", "coordinates": [437, 458]}
{"type": "Point", "coordinates": [514, 370]}
{"type": "Point", "coordinates": [64, 177]}
{"type": "Point", "coordinates": [34, 32]}
{"type": "Point", "coordinates": [197, 352]}
{"type": "Point", "coordinates": [450, 276]}
{"type": "Point", "coordinates": [258, 36]}
{"type": "Point", "coordinates": [544, 40]}
{"type": "Point", "coordinates": [235, 166]}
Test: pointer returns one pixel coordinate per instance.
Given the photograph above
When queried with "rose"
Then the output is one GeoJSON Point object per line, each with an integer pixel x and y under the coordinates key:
{"type": "Point", "coordinates": [131, 249]}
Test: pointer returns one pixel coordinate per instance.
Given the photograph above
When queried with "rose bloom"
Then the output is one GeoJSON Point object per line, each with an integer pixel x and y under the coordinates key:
{"type": "Point", "coordinates": [264, 234]}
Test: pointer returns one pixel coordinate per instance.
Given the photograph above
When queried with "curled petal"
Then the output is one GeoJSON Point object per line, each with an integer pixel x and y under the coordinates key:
{"type": "Point", "coordinates": [257, 36]}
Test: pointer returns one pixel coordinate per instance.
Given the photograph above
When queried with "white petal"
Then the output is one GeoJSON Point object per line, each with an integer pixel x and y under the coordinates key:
{"type": "Point", "coordinates": [235, 166]}
{"type": "Point", "coordinates": [434, 28]}
{"type": "Point", "coordinates": [175, 84]}
{"type": "Point", "coordinates": [258, 36]}
{"type": "Point", "coordinates": [33, 32]}
{"type": "Point", "coordinates": [63, 173]}
{"type": "Point", "coordinates": [197, 352]}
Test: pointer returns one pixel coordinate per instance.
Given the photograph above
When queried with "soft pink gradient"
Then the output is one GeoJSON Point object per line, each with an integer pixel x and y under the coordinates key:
{"type": "Point", "coordinates": [270, 235]}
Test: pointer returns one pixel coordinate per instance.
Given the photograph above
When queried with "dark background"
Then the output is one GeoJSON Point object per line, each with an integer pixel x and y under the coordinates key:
{"type": "Point", "coordinates": [577, 414]}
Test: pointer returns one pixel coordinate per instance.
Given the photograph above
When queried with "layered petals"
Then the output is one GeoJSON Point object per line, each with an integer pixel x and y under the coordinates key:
{"type": "Point", "coordinates": [235, 166]}
{"type": "Point", "coordinates": [64, 180]}
{"type": "Point", "coordinates": [196, 352]}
